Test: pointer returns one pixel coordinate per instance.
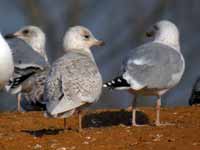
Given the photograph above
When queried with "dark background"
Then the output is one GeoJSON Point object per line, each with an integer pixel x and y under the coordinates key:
{"type": "Point", "coordinates": [121, 23]}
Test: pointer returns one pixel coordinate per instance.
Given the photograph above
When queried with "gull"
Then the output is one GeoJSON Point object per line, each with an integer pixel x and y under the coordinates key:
{"type": "Point", "coordinates": [6, 62]}
{"type": "Point", "coordinates": [29, 78]}
{"type": "Point", "coordinates": [152, 68]}
{"type": "Point", "coordinates": [74, 80]}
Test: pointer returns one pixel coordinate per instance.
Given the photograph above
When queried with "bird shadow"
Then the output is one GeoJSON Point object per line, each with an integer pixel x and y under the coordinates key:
{"type": "Point", "coordinates": [111, 118]}
{"type": "Point", "coordinates": [97, 120]}
{"type": "Point", "coordinates": [42, 132]}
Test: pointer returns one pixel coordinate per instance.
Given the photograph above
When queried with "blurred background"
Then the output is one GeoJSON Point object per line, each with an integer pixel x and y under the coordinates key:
{"type": "Point", "coordinates": [121, 23]}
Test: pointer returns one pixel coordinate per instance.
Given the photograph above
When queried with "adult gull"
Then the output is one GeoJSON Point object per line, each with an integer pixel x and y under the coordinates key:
{"type": "Point", "coordinates": [153, 68]}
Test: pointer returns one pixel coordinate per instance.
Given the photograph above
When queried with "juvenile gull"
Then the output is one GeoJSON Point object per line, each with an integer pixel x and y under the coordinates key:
{"type": "Point", "coordinates": [153, 68]}
{"type": "Point", "coordinates": [29, 79]}
{"type": "Point", "coordinates": [74, 80]}
{"type": "Point", "coordinates": [6, 62]}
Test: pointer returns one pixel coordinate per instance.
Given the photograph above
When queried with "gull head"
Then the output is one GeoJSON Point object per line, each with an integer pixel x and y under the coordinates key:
{"type": "Point", "coordinates": [80, 38]}
{"type": "Point", "coordinates": [33, 36]}
{"type": "Point", "coordinates": [165, 32]}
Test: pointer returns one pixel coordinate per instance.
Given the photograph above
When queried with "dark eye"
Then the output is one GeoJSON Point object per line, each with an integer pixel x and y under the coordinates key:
{"type": "Point", "coordinates": [25, 31]}
{"type": "Point", "coordinates": [86, 36]}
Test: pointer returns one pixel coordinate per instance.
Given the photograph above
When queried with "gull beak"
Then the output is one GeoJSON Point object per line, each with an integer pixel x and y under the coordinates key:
{"type": "Point", "coordinates": [10, 36]}
{"type": "Point", "coordinates": [99, 43]}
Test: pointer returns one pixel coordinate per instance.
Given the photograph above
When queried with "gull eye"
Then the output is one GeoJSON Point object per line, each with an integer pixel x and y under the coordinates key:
{"type": "Point", "coordinates": [26, 31]}
{"type": "Point", "coordinates": [86, 36]}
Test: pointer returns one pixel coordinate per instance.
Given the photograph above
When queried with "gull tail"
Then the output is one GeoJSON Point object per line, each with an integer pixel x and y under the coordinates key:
{"type": "Point", "coordinates": [118, 83]}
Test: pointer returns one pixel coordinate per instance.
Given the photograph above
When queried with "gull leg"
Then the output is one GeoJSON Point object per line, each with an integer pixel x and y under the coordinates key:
{"type": "Point", "coordinates": [80, 120]}
{"type": "Point", "coordinates": [65, 124]}
{"type": "Point", "coordinates": [134, 105]}
{"type": "Point", "coordinates": [18, 102]}
{"type": "Point", "coordinates": [158, 104]}
{"type": "Point", "coordinates": [134, 111]}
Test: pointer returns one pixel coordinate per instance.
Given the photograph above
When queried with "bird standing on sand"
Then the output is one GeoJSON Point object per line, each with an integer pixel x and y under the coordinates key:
{"type": "Point", "coordinates": [74, 80]}
{"type": "Point", "coordinates": [153, 68]}
{"type": "Point", "coordinates": [28, 79]}
{"type": "Point", "coordinates": [6, 62]}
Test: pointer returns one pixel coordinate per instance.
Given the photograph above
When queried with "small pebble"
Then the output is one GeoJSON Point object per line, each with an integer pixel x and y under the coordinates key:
{"type": "Point", "coordinates": [195, 144]}
{"type": "Point", "coordinates": [53, 145]}
{"type": "Point", "coordinates": [88, 137]}
{"type": "Point", "coordinates": [37, 146]}
{"type": "Point", "coordinates": [61, 148]}
{"type": "Point", "coordinates": [73, 147]}
{"type": "Point", "coordinates": [85, 142]}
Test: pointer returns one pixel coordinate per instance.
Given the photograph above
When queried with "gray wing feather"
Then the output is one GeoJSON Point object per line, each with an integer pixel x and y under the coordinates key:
{"type": "Point", "coordinates": [154, 65]}
{"type": "Point", "coordinates": [24, 54]}
{"type": "Point", "coordinates": [73, 80]}
{"type": "Point", "coordinates": [26, 59]}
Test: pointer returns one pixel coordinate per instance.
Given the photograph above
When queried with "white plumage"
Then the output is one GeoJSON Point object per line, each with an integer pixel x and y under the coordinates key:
{"type": "Point", "coordinates": [6, 62]}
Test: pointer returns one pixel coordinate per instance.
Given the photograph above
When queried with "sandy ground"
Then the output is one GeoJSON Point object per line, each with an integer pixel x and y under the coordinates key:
{"type": "Point", "coordinates": [103, 130]}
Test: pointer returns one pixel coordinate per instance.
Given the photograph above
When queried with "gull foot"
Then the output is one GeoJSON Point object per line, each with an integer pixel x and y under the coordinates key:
{"type": "Point", "coordinates": [138, 125]}
{"type": "Point", "coordinates": [158, 124]}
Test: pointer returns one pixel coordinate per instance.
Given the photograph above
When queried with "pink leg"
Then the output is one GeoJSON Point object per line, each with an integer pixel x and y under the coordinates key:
{"type": "Point", "coordinates": [134, 111]}
{"type": "Point", "coordinates": [80, 121]}
{"type": "Point", "coordinates": [158, 104]}
{"type": "Point", "coordinates": [18, 102]}
{"type": "Point", "coordinates": [65, 124]}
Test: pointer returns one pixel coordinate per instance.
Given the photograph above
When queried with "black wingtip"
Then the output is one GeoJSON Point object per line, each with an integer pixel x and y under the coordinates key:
{"type": "Point", "coordinates": [118, 82]}
{"type": "Point", "coordinates": [195, 98]}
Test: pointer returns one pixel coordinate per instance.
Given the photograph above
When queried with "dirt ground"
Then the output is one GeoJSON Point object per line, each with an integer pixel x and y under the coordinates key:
{"type": "Point", "coordinates": [103, 130]}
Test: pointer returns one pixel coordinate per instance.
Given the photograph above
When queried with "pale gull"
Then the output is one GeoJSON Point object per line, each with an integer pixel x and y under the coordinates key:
{"type": "Point", "coordinates": [74, 80]}
{"type": "Point", "coordinates": [153, 68]}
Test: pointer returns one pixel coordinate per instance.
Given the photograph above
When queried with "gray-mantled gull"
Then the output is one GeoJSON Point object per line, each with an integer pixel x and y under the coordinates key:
{"type": "Point", "coordinates": [29, 78]}
{"type": "Point", "coordinates": [153, 68]}
{"type": "Point", "coordinates": [6, 62]}
{"type": "Point", "coordinates": [74, 80]}
{"type": "Point", "coordinates": [195, 96]}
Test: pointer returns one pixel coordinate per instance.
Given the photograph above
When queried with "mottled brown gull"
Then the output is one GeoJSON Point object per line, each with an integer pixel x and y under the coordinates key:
{"type": "Point", "coordinates": [29, 77]}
